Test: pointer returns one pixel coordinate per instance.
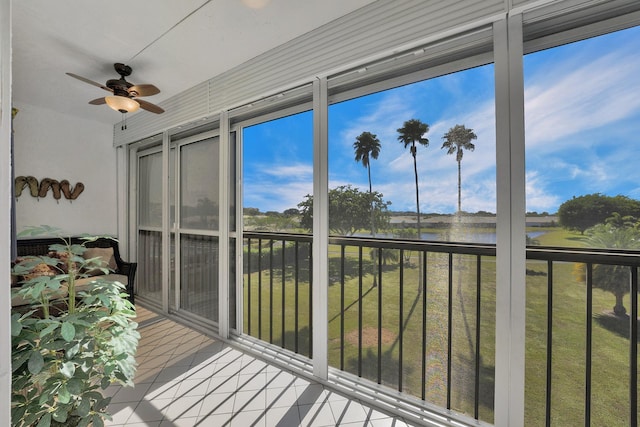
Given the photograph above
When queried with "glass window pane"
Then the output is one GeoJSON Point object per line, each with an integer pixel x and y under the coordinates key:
{"type": "Point", "coordinates": [199, 196]}
{"type": "Point", "coordinates": [278, 173]}
{"type": "Point", "coordinates": [150, 190]}
{"type": "Point", "coordinates": [277, 179]}
{"type": "Point", "coordinates": [199, 275]}
{"type": "Point", "coordinates": [415, 162]}
{"type": "Point", "coordinates": [582, 113]}
{"type": "Point", "coordinates": [448, 123]}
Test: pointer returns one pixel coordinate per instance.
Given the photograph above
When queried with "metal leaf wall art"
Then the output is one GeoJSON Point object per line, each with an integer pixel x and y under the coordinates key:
{"type": "Point", "coordinates": [57, 188]}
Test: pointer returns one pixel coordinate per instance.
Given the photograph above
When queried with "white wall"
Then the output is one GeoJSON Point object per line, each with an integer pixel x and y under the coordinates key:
{"type": "Point", "coordinates": [49, 144]}
{"type": "Point", "coordinates": [5, 211]}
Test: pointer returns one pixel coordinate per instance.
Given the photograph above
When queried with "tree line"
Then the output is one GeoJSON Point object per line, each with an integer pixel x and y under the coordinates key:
{"type": "Point", "coordinates": [606, 222]}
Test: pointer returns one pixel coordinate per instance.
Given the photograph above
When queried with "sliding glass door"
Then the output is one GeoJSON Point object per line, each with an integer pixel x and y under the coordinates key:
{"type": "Point", "coordinates": [149, 274]}
{"type": "Point", "coordinates": [195, 231]}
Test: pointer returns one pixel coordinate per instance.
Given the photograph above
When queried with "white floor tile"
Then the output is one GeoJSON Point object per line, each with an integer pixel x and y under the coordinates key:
{"type": "Point", "coordinates": [193, 387]}
{"type": "Point", "coordinates": [184, 407]}
{"type": "Point", "coordinates": [130, 394]}
{"type": "Point", "coordinates": [348, 412]}
{"type": "Point", "coordinates": [185, 378]}
{"type": "Point", "coordinates": [388, 422]}
{"type": "Point", "coordinates": [310, 394]}
{"type": "Point", "coordinates": [171, 373]}
{"type": "Point", "coordinates": [145, 424]}
{"type": "Point", "coordinates": [281, 397]}
{"type": "Point", "coordinates": [217, 403]}
{"type": "Point", "coordinates": [252, 366]}
{"type": "Point", "coordinates": [249, 418]}
{"type": "Point", "coordinates": [280, 379]}
{"type": "Point", "coordinates": [317, 415]}
{"type": "Point", "coordinates": [215, 420]}
{"type": "Point", "coordinates": [149, 412]}
{"type": "Point", "coordinates": [223, 384]}
{"type": "Point", "coordinates": [257, 381]}
{"type": "Point", "coordinates": [145, 375]}
{"type": "Point", "coordinates": [249, 401]}
{"type": "Point", "coordinates": [163, 390]}
{"type": "Point", "coordinates": [180, 422]}
{"type": "Point", "coordinates": [202, 370]}
{"type": "Point", "coordinates": [283, 417]}
{"type": "Point", "coordinates": [120, 412]}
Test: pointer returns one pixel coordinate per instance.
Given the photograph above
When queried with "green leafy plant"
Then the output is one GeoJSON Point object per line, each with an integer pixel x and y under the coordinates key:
{"type": "Point", "coordinates": [68, 344]}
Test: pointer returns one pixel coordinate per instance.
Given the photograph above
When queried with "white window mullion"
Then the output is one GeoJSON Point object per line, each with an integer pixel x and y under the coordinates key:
{"type": "Point", "coordinates": [320, 228]}
{"type": "Point", "coordinates": [132, 197]}
{"type": "Point", "coordinates": [166, 234]}
{"type": "Point", "coordinates": [239, 260]}
{"type": "Point", "coordinates": [510, 227]}
{"type": "Point", "coordinates": [223, 240]}
{"type": "Point", "coordinates": [122, 212]}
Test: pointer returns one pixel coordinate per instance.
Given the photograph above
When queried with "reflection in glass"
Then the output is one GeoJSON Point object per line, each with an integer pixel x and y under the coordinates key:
{"type": "Point", "coordinates": [199, 198]}
{"type": "Point", "coordinates": [150, 190]}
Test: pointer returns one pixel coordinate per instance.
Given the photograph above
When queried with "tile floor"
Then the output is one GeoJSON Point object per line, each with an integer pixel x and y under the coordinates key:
{"type": "Point", "coordinates": [188, 379]}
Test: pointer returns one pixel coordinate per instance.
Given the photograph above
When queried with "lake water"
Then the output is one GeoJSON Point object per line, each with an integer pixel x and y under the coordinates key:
{"type": "Point", "coordinates": [470, 237]}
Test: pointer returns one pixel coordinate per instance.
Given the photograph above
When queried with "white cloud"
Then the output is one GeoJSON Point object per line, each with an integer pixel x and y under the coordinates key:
{"type": "Point", "coordinates": [300, 170]}
{"type": "Point", "coordinates": [560, 105]}
{"type": "Point", "coordinates": [383, 120]}
{"type": "Point", "coordinates": [276, 187]}
{"type": "Point", "coordinates": [268, 196]}
{"type": "Point", "coordinates": [538, 199]}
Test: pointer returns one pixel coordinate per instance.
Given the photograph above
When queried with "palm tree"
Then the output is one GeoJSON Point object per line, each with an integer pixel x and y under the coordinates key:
{"type": "Point", "coordinates": [613, 278]}
{"type": "Point", "coordinates": [367, 146]}
{"type": "Point", "coordinates": [456, 141]}
{"type": "Point", "coordinates": [411, 132]}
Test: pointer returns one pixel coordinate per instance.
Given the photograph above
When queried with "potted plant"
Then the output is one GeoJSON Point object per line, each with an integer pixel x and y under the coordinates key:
{"type": "Point", "coordinates": [68, 344]}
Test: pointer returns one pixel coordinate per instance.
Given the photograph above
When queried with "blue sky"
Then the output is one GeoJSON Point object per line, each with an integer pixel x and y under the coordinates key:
{"type": "Point", "coordinates": [582, 114]}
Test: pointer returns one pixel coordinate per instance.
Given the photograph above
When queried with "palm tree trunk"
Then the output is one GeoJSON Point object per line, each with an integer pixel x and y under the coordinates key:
{"type": "Point", "coordinates": [459, 189]}
{"type": "Point", "coordinates": [373, 229]}
{"type": "Point", "coordinates": [619, 309]}
{"type": "Point", "coordinates": [415, 171]}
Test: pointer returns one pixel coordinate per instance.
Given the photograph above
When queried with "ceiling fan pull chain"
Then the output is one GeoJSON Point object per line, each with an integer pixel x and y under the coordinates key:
{"type": "Point", "coordinates": [124, 122]}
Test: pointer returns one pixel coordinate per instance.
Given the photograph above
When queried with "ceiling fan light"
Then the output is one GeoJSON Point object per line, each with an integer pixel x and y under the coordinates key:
{"type": "Point", "coordinates": [122, 104]}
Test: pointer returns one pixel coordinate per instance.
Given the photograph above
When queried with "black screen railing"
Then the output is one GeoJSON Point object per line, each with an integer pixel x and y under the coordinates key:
{"type": "Point", "coordinates": [419, 317]}
{"type": "Point", "coordinates": [277, 296]}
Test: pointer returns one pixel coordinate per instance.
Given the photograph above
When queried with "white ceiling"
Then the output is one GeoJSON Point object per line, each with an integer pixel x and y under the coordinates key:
{"type": "Point", "coordinates": [171, 44]}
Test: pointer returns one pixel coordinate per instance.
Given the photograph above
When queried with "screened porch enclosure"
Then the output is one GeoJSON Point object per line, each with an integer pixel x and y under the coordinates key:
{"type": "Point", "coordinates": [419, 279]}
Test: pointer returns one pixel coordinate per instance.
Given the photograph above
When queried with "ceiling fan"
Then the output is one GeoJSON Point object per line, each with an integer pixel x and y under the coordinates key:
{"type": "Point", "coordinates": [125, 98]}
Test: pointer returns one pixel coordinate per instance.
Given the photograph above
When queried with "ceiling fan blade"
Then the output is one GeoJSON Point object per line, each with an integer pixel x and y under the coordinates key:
{"type": "Point", "coordinates": [149, 106]}
{"type": "Point", "coordinates": [91, 82]}
{"type": "Point", "coordinates": [97, 101]}
{"type": "Point", "coordinates": [143, 90]}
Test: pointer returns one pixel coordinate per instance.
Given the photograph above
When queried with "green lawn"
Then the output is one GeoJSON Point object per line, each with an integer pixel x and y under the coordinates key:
{"type": "Point", "coordinates": [610, 349]}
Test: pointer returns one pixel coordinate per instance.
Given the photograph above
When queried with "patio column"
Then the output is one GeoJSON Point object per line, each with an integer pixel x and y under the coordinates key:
{"type": "Point", "coordinates": [320, 228]}
{"type": "Point", "coordinates": [510, 227]}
